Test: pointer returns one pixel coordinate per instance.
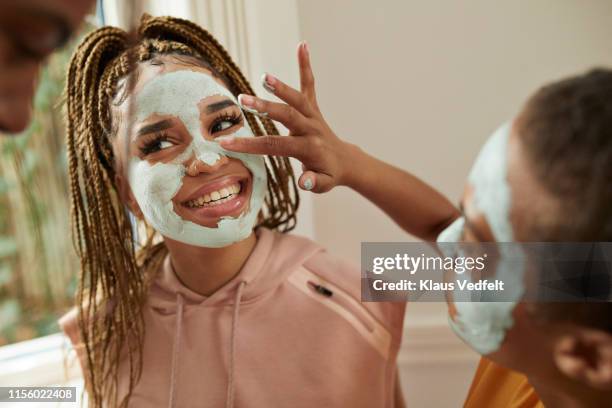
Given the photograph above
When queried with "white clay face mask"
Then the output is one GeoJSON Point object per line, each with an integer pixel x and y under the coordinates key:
{"type": "Point", "coordinates": [154, 186]}
{"type": "Point", "coordinates": [483, 325]}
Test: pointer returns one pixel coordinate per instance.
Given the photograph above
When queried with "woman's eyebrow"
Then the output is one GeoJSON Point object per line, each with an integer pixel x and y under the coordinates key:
{"type": "Point", "coordinates": [154, 127]}
{"type": "Point", "coordinates": [217, 106]}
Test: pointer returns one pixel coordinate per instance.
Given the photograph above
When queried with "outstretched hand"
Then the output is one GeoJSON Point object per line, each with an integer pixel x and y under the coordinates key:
{"type": "Point", "coordinates": [323, 155]}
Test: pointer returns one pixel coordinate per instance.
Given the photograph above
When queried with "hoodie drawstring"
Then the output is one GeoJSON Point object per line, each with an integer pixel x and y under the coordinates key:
{"type": "Point", "coordinates": [177, 345]}
{"type": "Point", "coordinates": [230, 380]}
{"type": "Point", "coordinates": [175, 350]}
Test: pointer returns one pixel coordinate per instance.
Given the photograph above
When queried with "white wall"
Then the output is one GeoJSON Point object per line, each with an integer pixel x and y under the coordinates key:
{"type": "Point", "coordinates": [422, 84]}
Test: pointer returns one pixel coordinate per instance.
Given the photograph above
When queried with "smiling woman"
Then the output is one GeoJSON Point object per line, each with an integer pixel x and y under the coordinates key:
{"type": "Point", "coordinates": [144, 126]}
{"type": "Point", "coordinates": [183, 99]}
{"type": "Point", "coordinates": [99, 130]}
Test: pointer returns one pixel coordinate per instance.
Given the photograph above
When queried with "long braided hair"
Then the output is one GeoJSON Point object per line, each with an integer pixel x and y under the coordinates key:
{"type": "Point", "coordinates": [114, 273]}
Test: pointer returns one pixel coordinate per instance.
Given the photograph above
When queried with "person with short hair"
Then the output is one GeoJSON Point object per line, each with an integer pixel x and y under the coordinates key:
{"type": "Point", "coordinates": [30, 30]}
{"type": "Point", "coordinates": [546, 175]}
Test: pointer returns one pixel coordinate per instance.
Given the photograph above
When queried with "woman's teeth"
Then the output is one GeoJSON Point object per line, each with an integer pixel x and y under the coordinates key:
{"type": "Point", "coordinates": [216, 197]}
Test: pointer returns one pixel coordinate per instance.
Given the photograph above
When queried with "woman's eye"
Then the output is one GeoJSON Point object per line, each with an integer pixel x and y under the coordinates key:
{"type": "Point", "coordinates": [222, 125]}
{"type": "Point", "coordinates": [156, 145]}
{"type": "Point", "coordinates": [225, 122]}
{"type": "Point", "coordinates": [164, 144]}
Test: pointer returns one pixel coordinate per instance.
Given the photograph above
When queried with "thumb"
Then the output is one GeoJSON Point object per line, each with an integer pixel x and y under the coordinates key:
{"type": "Point", "coordinates": [315, 182]}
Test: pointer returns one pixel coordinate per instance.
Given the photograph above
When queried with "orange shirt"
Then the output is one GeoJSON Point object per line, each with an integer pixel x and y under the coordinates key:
{"type": "Point", "coordinates": [496, 386]}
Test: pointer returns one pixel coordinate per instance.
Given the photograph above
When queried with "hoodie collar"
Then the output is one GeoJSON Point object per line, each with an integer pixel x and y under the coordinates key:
{"type": "Point", "coordinates": [274, 257]}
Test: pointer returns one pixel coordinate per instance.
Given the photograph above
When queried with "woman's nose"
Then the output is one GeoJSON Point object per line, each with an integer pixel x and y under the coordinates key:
{"type": "Point", "coordinates": [197, 166]}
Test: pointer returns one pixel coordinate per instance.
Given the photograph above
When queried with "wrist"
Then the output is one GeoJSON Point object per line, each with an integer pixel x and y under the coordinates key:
{"type": "Point", "coordinates": [353, 162]}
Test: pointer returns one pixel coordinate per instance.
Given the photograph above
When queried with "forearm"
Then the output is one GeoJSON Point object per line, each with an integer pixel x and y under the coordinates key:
{"type": "Point", "coordinates": [415, 206]}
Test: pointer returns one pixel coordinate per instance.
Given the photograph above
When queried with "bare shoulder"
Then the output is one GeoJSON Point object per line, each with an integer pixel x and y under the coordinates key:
{"type": "Point", "coordinates": [69, 325]}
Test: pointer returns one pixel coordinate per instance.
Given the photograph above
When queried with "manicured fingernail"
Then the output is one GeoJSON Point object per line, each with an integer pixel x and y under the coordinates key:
{"type": "Point", "coordinates": [248, 104]}
{"type": "Point", "coordinates": [268, 82]}
{"type": "Point", "coordinates": [246, 100]}
{"type": "Point", "coordinates": [308, 184]}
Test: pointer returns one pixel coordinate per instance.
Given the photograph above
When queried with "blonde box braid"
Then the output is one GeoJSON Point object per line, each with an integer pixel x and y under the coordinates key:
{"type": "Point", "coordinates": [114, 276]}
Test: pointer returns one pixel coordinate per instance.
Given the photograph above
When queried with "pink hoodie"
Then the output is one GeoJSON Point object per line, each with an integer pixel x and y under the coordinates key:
{"type": "Point", "coordinates": [288, 331]}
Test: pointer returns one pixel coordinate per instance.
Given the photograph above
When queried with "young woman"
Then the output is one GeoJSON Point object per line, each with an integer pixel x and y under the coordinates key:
{"type": "Point", "coordinates": [207, 301]}
{"type": "Point", "coordinates": [544, 176]}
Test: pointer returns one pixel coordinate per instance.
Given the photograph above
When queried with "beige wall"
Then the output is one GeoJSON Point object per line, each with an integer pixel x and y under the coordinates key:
{"type": "Point", "coordinates": [422, 84]}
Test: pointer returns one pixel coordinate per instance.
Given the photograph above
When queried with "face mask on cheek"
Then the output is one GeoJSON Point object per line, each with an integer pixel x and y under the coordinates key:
{"type": "Point", "coordinates": [453, 232]}
{"type": "Point", "coordinates": [154, 185]}
{"type": "Point", "coordinates": [480, 323]}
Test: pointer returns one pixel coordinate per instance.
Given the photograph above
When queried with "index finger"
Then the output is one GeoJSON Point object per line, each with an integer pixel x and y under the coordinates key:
{"type": "Point", "coordinates": [285, 146]}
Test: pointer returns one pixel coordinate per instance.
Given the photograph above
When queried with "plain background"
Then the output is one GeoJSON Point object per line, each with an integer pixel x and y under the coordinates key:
{"type": "Point", "coordinates": [422, 84]}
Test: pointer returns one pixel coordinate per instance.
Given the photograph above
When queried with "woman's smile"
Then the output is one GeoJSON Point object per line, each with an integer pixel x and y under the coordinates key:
{"type": "Point", "coordinates": [215, 198]}
{"type": "Point", "coordinates": [224, 196]}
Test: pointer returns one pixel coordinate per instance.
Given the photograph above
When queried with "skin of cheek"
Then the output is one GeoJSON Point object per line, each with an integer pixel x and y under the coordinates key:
{"type": "Point", "coordinates": [528, 346]}
{"type": "Point", "coordinates": [123, 186]}
{"type": "Point", "coordinates": [127, 196]}
{"type": "Point", "coordinates": [512, 351]}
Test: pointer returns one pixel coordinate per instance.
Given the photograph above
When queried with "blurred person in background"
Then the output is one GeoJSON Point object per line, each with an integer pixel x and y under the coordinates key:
{"type": "Point", "coordinates": [30, 30]}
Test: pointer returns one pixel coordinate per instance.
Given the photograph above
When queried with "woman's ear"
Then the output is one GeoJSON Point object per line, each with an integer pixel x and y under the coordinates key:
{"type": "Point", "coordinates": [586, 356]}
{"type": "Point", "coordinates": [126, 195]}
